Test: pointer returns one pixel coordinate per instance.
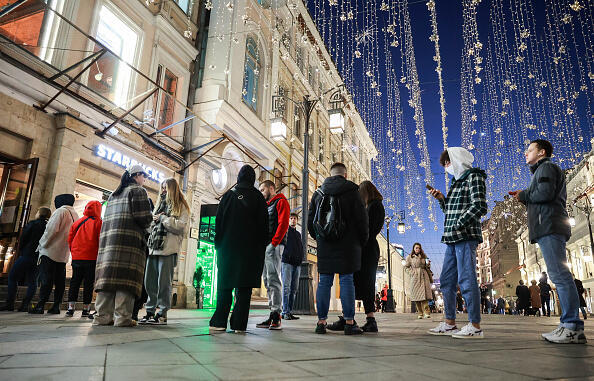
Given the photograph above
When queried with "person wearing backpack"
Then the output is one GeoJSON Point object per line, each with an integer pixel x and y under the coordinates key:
{"type": "Point", "coordinates": [54, 253]}
{"type": "Point", "coordinates": [83, 240]}
{"type": "Point", "coordinates": [278, 225]}
{"type": "Point", "coordinates": [338, 221]}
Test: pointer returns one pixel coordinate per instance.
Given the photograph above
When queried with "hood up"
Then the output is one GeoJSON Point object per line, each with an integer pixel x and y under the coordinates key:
{"type": "Point", "coordinates": [93, 209]}
{"type": "Point", "coordinates": [461, 160]}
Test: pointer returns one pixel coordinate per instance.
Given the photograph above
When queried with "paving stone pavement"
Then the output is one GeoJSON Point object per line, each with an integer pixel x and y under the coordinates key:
{"type": "Point", "coordinates": [50, 347]}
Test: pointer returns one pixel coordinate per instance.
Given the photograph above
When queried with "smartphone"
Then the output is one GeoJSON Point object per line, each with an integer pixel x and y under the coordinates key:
{"type": "Point", "coordinates": [429, 187]}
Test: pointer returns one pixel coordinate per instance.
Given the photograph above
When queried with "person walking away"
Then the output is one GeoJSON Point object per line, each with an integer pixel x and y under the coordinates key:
{"type": "Point", "coordinates": [83, 240]}
{"type": "Point", "coordinates": [121, 260]}
{"type": "Point", "coordinates": [170, 219]}
{"type": "Point", "coordinates": [545, 294]}
{"type": "Point", "coordinates": [580, 290]}
{"type": "Point", "coordinates": [523, 294]}
{"type": "Point", "coordinates": [241, 237]}
{"type": "Point", "coordinates": [54, 253]}
{"type": "Point", "coordinates": [548, 225]}
{"type": "Point", "coordinates": [420, 286]}
{"type": "Point", "coordinates": [384, 297]}
{"type": "Point", "coordinates": [464, 206]}
{"type": "Point", "coordinates": [535, 295]}
{"type": "Point", "coordinates": [364, 279]}
{"type": "Point", "coordinates": [291, 265]}
{"type": "Point", "coordinates": [25, 266]}
{"type": "Point", "coordinates": [501, 305]}
{"type": "Point", "coordinates": [278, 225]}
{"type": "Point", "coordinates": [339, 223]}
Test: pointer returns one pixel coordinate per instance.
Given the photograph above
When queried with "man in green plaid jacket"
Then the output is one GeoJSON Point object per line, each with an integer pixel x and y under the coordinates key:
{"type": "Point", "coordinates": [464, 206]}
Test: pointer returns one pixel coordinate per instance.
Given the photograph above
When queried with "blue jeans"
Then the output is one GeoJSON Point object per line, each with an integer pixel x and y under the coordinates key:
{"type": "Point", "coordinates": [290, 275]}
{"type": "Point", "coordinates": [347, 295]}
{"type": "Point", "coordinates": [553, 252]}
{"type": "Point", "coordinates": [459, 268]}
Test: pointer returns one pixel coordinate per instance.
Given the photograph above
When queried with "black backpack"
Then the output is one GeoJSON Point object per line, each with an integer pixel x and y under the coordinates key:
{"type": "Point", "coordinates": [328, 222]}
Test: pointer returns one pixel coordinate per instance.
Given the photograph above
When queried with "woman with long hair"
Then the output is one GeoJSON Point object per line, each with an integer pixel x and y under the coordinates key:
{"type": "Point", "coordinates": [420, 283]}
{"type": "Point", "coordinates": [120, 261]}
{"type": "Point", "coordinates": [170, 219]}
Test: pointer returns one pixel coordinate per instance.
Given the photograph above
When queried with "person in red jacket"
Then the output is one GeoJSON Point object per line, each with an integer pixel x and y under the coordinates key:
{"type": "Point", "coordinates": [83, 240]}
{"type": "Point", "coordinates": [278, 225]}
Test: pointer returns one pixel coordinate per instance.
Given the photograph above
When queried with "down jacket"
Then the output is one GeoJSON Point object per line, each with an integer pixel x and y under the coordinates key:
{"type": "Point", "coordinates": [83, 238]}
{"type": "Point", "coordinates": [176, 228]}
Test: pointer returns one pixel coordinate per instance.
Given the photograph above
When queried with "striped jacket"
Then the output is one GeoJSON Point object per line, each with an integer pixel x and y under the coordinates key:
{"type": "Point", "coordinates": [464, 206]}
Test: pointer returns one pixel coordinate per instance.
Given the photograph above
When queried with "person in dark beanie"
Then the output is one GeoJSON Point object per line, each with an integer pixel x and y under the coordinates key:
{"type": "Point", "coordinates": [241, 236]}
{"type": "Point", "coordinates": [54, 253]}
{"type": "Point", "coordinates": [25, 267]}
{"type": "Point", "coordinates": [548, 225]}
{"type": "Point", "coordinates": [292, 258]}
{"type": "Point", "coordinates": [545, 294]}
{"type": "Point", "coordinates": [338, 221]}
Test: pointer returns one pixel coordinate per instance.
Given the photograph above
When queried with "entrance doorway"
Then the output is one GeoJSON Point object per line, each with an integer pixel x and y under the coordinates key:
{"type": "Point", "coordinates": [16, 184]}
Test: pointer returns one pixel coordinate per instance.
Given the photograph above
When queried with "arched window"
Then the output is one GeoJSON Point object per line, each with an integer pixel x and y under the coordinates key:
{"type": "Point", "coordinates": [251, 77]}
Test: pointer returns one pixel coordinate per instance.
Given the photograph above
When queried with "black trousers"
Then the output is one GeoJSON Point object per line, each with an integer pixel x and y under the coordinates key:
{"type": "Point", "coordinates": [51, 273]}
{"type": "Point", "coordinates": [364, 281]}
{"type": "Point", "coordinates": [23, 268]}
{"type": "Point", "coordinates": [241, 311]}
{"type": "Point", "coordinates": [545, 306]}
{"type": "Point", "coordinates": [82, 271]}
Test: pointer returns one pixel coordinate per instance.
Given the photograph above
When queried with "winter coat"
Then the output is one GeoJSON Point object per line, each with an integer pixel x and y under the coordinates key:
{"type": "Point", "coordinates": [122, 243]}
{"type": "Point", "coordinates": [83, 238]}
{"type": "Point", "coordinates": [580, 290]}
{"type": "Point", "coordinates": [241, 236]}
{"type": "Point", "coordinates": [176, 228]}
{"type": "Point", "coordinates": [420, 286]}
{"type": "Point", "coordinates": [523, 294]}
{"type": "Point", "coordinates": [545, 289]}
{"type": "Point", "coordinates": [545, 200]}
{"type": "Point", "coordinates": [54, 242]}
{"type": "Point", "coordinates": [278, 219]}
{"type": "Point", "coordinates": [29, 240]}
{"type": "Point", "coordinates": [365, 278]}
{"type": "Point", "coordinates": [293, 252]}
{"type": "Point", "coordinates": [535, 296]}
{"type": "Point", "coordinates": [344, 255]}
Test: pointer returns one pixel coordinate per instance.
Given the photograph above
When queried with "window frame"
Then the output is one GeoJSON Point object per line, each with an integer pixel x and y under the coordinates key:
{"type": "Point", "coordinates": [252, 87]}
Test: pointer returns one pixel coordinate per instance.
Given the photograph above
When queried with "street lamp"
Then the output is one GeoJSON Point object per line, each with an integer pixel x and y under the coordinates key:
{"type": "Point", "coordinates": [587, 210]}
{"type": "Point", "coordinates": [278, 129]}
{"type": "Point", "coordinates": [401, 227]}
{"type": "Point", "coordinates": [336, 121]}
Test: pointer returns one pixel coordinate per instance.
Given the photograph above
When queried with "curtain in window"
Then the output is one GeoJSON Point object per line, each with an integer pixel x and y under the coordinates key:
{"type": "Point", "coordinates": [251, 74]}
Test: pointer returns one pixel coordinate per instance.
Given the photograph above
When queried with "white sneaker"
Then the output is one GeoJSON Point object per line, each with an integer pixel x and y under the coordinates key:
{"type": "Point", "coordinates": [443, 329]}
{"type": "Point", "coordinates": [212, 330]}
{"type": "Point", "coordinates": [553, 332]}
{"type": "Point", "coordinates": [468, 332]}
{"type": "Point", "coordinates": [564, 335]}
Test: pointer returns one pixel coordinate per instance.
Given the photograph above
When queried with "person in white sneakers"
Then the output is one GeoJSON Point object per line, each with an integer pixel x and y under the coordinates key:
{"type": "Point", "coordinates": [548, 225]}
{"type": "Point", "coordinates": [463, 207]}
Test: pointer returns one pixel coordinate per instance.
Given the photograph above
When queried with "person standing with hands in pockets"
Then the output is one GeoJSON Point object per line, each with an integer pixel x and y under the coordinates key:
{"type": "Point", "coordinates": [548, 225]}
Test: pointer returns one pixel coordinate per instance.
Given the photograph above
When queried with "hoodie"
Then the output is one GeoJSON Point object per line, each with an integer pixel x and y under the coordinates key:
{"type": "Point", "coordinates": [83, 238]}
{"type": "Point", "coordinates": [278, 219]}
{"type": "Point", "coordinates": [54, 242]}
{"type": "Point", "coordinates": [461, 160]}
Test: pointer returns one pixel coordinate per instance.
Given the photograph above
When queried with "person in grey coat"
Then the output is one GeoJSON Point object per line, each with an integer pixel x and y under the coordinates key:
{"type": "Point", "coordinates": [548, 225]}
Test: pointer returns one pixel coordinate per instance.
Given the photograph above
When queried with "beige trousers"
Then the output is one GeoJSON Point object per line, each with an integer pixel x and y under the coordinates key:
{"type": "Point", "coordinates": [422, 307]}
{"type": "Point", "coordinates": [114, 307]}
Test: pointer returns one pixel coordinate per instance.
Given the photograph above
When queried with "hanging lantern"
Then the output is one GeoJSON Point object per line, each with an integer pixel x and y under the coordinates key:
{"type": "Point", "coordinates": [278, 129]}
{"type": "Point", "coordinates": [336, 121]}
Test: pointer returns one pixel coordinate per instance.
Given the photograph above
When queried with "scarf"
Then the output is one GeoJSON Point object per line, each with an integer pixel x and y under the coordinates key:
{"type": "Point", "coordinates": [156, 239]}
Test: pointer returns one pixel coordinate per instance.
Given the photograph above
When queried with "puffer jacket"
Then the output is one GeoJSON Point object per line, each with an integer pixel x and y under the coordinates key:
{"type": "Point", "coordinates": [83, 238]}
{"type": "Point", "coordinates": [545, 200]}
{"type": "Point", "coordinates": [176, 228]}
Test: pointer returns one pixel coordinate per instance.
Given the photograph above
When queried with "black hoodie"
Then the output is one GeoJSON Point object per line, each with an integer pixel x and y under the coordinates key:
{"type": "Point", "coordinates": [342, 256]}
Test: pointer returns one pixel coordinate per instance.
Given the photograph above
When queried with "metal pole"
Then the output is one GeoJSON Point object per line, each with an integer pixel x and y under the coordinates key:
{"type": "Point", "coordinates": [390, 307]}
{"type": "Point", "coordinates": [307, 105]}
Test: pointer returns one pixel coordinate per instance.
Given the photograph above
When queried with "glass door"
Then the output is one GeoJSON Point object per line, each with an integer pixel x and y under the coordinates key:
{"type": "Point", "coordinates": [16, 185]}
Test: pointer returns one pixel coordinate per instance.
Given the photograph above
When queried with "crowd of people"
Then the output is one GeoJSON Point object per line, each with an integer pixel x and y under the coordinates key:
{"type": "Point", "coordinates": [128, 256]}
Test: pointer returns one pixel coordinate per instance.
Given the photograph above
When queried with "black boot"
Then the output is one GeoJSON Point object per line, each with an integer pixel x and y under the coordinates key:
{"type": "Point", "coordinates": [38, 309]}
{"type": "Point", "coordinates": [8, 306]}
{"type": "Point", "coordinates": [370, 325]}
{"type": "Point", "coordinates": [337, 325]}
{"type": "Point", "coordinates": [352, 329]}
{"type": "Point", "coordinates": [55, 310]}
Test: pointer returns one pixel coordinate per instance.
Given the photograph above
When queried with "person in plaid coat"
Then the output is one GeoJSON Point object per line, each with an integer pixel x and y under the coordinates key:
{"type": "Point", "coordinates": [464, 206]}
{"type": "Point", "coordinates": [121, 259]}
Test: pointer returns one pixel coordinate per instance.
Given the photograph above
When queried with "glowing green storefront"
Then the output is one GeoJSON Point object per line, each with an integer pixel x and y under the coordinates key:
{"type": "Point", "coordinates": [206, 257]}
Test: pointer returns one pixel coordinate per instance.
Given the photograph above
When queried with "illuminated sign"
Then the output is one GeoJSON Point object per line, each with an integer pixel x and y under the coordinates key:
{"type": "Point", "coordinates": [124, 161]}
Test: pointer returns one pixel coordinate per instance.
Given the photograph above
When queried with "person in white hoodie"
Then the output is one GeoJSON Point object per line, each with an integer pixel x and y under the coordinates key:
{"type": "Point", "coordinates": [170, 219]}
{"type": "Point", "coordinates": [54, 253]}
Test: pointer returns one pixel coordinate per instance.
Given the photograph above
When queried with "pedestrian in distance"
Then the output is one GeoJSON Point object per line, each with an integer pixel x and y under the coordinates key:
{"type": "Point", "coordinates": [121, 259]}
{"type": "Point", "coordinates": [545, 294]}
{"type": "Point", "coordinates": [25, 266]}
{"type": "Point", "coordinates": [548, 225]}
{"type": "Point", "coordinates": [83, 240]}
{"type": "Point", "coordinates": [241, 237]}
{"type": "Point", "coordinates": [523, 294]}
{"type": "Point", "coordinates": [535, 302]}
{"type": "Point", "coordinates": [170, 220]}
{"type": "Point", "coordinates": [580, 290]}
{"type": "Point", "coordinates": [378, 302]}
{"type": "Point", "coordinates": [278, 225]}
{"type": "Point", "coordinates": [464, 206]}
{"type": "Point", "coordinates": [364, 279]}
{"type": "Point", "coordinates": [501, 305]}
{"type": "Point", "coordinates": [54, 253]}
{"type": "Point", "coordinates": [420, 284]}
{"type": "Point", "coordinates": [384, 294]}
{"type": "Point", "coordinates": [291, 265]}
{"type": "Point", "coordinates": [338, 221]}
